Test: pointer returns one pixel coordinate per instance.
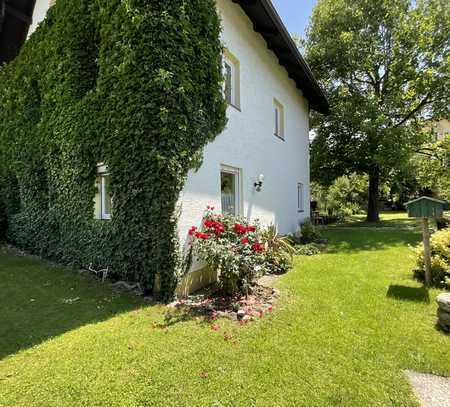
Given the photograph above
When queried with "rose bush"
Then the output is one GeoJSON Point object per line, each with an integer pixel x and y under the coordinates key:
{"type": "Point", "coordinates": [238, 250]}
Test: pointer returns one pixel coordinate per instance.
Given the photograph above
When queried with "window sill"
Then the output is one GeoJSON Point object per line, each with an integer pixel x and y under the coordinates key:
{"type": "Point", "coordinates": [235, 107]}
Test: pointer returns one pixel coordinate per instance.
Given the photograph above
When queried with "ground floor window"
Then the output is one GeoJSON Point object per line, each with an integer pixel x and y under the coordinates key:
{"type": "Point", "coordinates": [230, 184]}
{"type": "Point", "coordinates": [104, 196]}
{"type": "Point", "coordinates": [300, 197]}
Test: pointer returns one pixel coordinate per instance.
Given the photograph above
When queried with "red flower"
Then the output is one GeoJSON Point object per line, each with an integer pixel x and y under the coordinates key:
{"type": "Point", "coordinates": [244, 240]}
{"type": "Point", "coordinates": [240, 229]}
{"type": "Point", "coordinates": [214, 226]}
{"type": "Point", "coordinates": [251, 229]}
{"type": "Point", "coordinates": [201, 235]}
{"type": "Point", "coordinates": [192, 230]}
{"type": "Point", "coordinates": [258, 247]}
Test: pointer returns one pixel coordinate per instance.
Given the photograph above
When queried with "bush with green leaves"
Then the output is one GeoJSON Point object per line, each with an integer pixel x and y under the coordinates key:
{"type": "Point", "coordinates": [309, 233]}
{"type": "Point", "coordinates": [309, 249]}
{"type": "Point", "coordinates": [346, 196]}
{"type": "Point", "coordinates": [239, 251]}
{"type": "Point", "coordinates": [279, 252]}
{"type": "Point", "coordinates": [440, 259]}
{"type": "Point", "coordinates": [232, 247]}
{"type": "Point", "coordinates": [136, 85]}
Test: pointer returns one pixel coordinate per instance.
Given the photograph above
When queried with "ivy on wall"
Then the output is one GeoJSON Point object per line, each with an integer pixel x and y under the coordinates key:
{"type": "Point", "coordinates": [135, 84]}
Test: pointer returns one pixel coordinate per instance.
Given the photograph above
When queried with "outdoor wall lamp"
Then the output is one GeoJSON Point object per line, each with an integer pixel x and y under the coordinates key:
{"type": "Point", "coordinates": [259, 183]}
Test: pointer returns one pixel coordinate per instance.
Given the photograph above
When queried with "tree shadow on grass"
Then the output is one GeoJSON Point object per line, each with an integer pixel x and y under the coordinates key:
{"type": "Point", "coordinates": [405, 293]}
{"type": "Point", "coordinates": [39, 301]}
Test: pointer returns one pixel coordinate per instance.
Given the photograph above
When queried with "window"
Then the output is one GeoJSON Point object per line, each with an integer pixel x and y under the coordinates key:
{"type": "Point", "coordinates": [278, 119]}
{"type": "Point", "coordinates": [104, 196]}
{"type": "Point", "coordinates": [231, 80]}
{"type": "Point", "coordinates": [230, 190]}
{"type": "Point", "coordinates": [300, 197]}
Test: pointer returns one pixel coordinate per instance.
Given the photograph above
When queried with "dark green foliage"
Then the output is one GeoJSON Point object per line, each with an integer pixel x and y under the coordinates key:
{"type": "Point", "coordinates": [309, 233]}
{"type": "Point", "coordinates": [310, 249]}
{"type": "Point", "coordinates": [135, 85]}
{"type": "Point", "coordinates": [385, 68]}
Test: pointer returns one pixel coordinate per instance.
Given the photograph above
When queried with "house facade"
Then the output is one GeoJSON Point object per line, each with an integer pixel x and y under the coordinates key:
{"type": "Point", "coordinates": [266, 139]}
{"type": "Point", "coordinates": [258, 168]}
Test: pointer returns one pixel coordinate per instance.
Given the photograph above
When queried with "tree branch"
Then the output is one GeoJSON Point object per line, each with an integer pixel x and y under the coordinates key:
{"type": "Point", "coordinates": [423, 103]}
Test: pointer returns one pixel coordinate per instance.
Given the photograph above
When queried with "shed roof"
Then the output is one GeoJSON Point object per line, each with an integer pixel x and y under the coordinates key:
{"type": "Point", "coordinates": [426, 198]}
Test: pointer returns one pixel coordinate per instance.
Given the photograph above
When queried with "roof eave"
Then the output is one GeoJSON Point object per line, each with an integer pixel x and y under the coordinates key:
{"type": "Point", "coordinates": [268, 23]}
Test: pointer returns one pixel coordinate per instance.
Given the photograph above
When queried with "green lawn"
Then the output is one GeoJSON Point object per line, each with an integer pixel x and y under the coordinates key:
{"type": "Point", "coordinates": [348, 323]}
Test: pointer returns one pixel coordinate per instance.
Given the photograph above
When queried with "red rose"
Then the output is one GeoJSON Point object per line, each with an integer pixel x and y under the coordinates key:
{"type": "Point", "coordinates": [244, 240]}
{"type": "Point", "coordinates": [240, 229]}
{"type": "Point", "coordinates": [258, 247]}
{"type": "Point", "coordinates": [201, 235]}
{"type": "Point", "coordinates": [214, 226]}
{"type": "Point", "coordinates": [251, 229]}
{"type": "Point", "coordinates": [192, 230]}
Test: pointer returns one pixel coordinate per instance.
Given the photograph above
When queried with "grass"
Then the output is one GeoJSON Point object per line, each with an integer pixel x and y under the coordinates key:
{"type": "Point", "coordinates": [350, 320]}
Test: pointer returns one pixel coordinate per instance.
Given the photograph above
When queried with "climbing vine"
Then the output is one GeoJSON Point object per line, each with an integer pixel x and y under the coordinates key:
{"type": "Point", "coordinates": [133, 84]}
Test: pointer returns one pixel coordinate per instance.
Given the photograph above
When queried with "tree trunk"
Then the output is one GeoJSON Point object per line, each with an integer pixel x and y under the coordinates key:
{"type": "Point", "coordinates": [373, 211]}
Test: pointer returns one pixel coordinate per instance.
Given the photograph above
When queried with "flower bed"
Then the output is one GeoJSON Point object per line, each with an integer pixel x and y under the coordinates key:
{"type": "Point", "coordinates": [240, 251]}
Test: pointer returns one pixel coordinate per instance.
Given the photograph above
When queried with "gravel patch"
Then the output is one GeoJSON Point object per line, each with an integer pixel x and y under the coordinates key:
{"type": "Point", "coordinates": [431, 390]}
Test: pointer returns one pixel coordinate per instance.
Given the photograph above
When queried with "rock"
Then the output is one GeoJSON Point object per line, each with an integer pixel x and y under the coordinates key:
{"type": "Point", "coordinates": [240, 314]}
{"type": "Point", "coordinates": [444, 327]}
{"type": "Point", "coordinates": [443, 301]}
{"type": "Point", "coordinates": [444, 318]}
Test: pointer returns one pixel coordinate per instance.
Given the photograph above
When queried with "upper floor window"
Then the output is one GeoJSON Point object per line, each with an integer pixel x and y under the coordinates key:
{"type": "Point", "coordinates": [278, 119]}
{"type": "Point", "coordinates": [231, 80]}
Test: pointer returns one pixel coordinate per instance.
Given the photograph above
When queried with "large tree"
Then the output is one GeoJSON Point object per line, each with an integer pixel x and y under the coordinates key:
{"type": "Point", "coordinates": [385, 67]}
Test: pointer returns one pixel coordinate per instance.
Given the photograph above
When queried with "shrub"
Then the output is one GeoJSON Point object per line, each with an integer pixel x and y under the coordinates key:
{"type": "Point", "coordinates": [440, 259]}
{"type": "Point", "coordinates": [309, 249]}
{"type": "Point", "coordinates": [346, 196]}
{"type": "Point", "coordinates": [309, 233]}
{"type": "Point", "coordinates": [239, 251]}
{"type": "Point", "coordinates": [279, 253]}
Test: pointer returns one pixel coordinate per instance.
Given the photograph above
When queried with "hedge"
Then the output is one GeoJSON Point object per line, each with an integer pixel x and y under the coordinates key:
{"type": "Point", "coordinates": [134, 84]}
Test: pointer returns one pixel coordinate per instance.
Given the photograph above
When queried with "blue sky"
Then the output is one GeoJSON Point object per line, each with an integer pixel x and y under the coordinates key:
{"type": "Point", "coordinates": [295, 13]}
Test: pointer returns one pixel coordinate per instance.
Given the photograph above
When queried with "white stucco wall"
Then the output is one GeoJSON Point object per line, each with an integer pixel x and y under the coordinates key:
{"type": "Point", "coordinates": [40, 11]}
{"type": "Point", "coordinates": [248, 142]}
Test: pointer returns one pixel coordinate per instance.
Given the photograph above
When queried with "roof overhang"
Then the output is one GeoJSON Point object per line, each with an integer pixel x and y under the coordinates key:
{"type": "Point", "coordinates": [16, 18]}
{"type": "Point", "coordinates": [268, 23]}
{"type": "Point", "coordinates": [15, 21]}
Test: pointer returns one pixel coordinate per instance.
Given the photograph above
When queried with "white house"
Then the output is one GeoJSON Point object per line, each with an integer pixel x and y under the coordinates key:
{"type": "Point", "coordinates": [266, 139]}
{"type": "Point", "coordinates": [258, 167]}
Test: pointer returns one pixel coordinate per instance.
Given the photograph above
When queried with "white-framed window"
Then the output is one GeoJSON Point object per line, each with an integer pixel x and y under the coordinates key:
{"type": "Point", "coordinates": [231, 71]}
{"type": "Point", "coordinates": [300, 197]}
{"type": "Point", "coordinates": [278, 127]}
{"type": "Point", "coordinates": [230, 190]}
{"type": "Point", "coordinates": [104, 196]}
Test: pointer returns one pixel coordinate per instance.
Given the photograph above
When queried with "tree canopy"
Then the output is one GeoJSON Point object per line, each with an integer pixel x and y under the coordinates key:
{"type": "Point", "coordinates": [385, 66]}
